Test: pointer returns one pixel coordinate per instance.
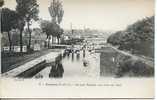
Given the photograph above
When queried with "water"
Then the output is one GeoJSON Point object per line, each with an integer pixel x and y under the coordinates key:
{"type": "Point", "coordinates": [74, 68]}
{"type": "Point", "coordinates": [74, 65]}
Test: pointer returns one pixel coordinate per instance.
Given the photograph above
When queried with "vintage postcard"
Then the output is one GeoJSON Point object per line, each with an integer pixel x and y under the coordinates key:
{"type": "Point", "coordinates": [71, 99]}
{"type": "Point", "coordinates": [77, 48]}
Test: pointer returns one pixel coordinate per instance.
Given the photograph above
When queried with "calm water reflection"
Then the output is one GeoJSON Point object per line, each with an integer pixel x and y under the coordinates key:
{"type": "Point", "coordinates": [73, 65]}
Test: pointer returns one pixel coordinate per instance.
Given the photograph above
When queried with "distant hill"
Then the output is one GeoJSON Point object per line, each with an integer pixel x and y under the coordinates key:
{"type": "Point", "coordinates": [138, 38]}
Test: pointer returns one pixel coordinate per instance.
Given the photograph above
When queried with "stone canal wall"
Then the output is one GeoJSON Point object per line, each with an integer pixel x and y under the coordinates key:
{"type": "Point", "coordinates": [30, 68]}
{"type": "Point", "coordinates": [32, 71]}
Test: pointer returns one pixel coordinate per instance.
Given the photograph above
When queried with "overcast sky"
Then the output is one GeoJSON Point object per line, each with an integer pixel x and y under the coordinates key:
{"type": "Point", "coordinates": [97, 14]}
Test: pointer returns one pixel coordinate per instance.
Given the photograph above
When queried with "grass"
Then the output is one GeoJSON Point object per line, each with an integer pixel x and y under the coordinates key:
{"type": "Point", "coordinates": [12, 60]}
{"type": "Point", "coordinates": [131, 67]}
{"type": "Point", "coordinates": [123, 66]}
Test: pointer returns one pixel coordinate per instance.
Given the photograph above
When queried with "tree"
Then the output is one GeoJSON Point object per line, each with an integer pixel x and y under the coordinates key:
{"type": "Point", "coordinates": [137, 38]}
{"type": "Point", "coordinates": [51, 29]}
{"type": "Point", "coordinates": [28, 11]}
{"type": "Point", "coordinates": [1, 3]}
{"type": "Point", "coordinates": [9, 21]}
{"type": "Point", "coordinates": [44, 24]}
{"type": "Point", "coordinates": [59, 32]}
{"type": "Point", "coordinates": [56, 11]}
{"type": "Point", "coordinates": [21, 24]}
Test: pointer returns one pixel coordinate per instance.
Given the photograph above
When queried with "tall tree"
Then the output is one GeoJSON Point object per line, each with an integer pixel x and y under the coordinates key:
{"type": "Point", "coordinates": [49, 28]}
{"type": "Point", "coordinates": [1, 3]}
{"type": "Point", "coordinates": [56, 11]}
{"type": "Point", "coordinates": [44, 24]}
{"type": "Point", "coordinates": [9, 21]}
{"type": "Point", "coordinates": [28, 11]}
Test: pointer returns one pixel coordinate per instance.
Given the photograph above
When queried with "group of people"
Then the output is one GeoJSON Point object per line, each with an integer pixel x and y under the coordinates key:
{"type": "Point", "coordinates": [71, 51]}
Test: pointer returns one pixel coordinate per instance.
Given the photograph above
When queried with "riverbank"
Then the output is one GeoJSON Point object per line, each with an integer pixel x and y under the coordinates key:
{"type": "Point", "coordinates": [48, 57]}
{"type": "Point", "coordinates": [13, 60]}
{"type": "Point", "coordinates": [117, 63]}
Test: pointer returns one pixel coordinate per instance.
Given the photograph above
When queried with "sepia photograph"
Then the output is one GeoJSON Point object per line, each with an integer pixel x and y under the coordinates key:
{"type": "Point", "coordinates": [70, 99]}
{"type": "Point", "coordinates": [90, 41]}
{"type": "Point", "coordinates": [59, 39]}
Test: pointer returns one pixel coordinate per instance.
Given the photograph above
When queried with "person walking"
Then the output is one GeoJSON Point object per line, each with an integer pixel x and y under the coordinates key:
{"type": "Point", "coordinates": [78, 55]}
{"type": "Point", "coordinates": [84, 53]}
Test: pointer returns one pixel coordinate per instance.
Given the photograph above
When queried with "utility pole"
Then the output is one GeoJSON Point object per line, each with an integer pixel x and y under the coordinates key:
{"type": "Point", "coordinates": [84, 28]}
{"type": "Point", "coordinates": [71, 28]}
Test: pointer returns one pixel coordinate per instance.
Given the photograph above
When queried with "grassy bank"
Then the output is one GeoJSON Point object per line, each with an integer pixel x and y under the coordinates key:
{"type": "Point", "coordinates": [119, 65]}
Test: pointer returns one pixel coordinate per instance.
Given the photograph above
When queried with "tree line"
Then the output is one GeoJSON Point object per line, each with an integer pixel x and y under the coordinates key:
{"type": "Point", "coordinates": [25, 13]}
{"type": "Point", "coordinates": [138, 38]}
{"type": "Point", "coordinates": [52, 28]}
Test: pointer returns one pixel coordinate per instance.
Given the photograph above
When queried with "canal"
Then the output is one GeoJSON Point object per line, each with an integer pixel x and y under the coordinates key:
{"type": "Point", "coordinates": [74, 67]}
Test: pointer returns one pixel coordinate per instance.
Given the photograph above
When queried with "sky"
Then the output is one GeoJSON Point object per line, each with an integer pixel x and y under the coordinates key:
{"type": "Point", "coordinates": [107, 15]}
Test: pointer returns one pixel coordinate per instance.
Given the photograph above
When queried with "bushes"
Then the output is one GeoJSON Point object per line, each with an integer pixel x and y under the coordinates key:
{"type": "Point", "coordinates": [136, 38]}
{"type": "Point", "coordinates": [124, 65]}
{"type": "Point", "coordinates": [133, 67]}
{"type": "Point", "coordinates": [115, 39]}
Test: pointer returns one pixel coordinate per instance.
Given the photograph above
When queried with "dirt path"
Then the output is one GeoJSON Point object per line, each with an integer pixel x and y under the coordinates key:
{"type": "Point", "coordinates": [147, 61]}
